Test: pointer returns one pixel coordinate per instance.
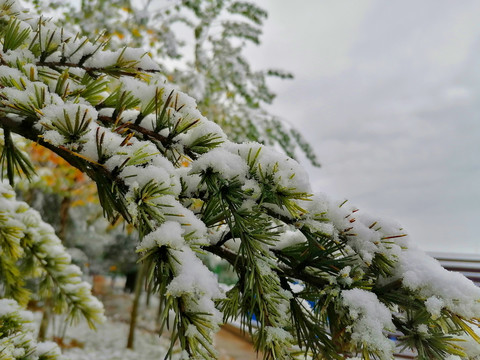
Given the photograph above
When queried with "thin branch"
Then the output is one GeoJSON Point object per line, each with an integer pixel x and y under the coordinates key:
{"type": "Point", "coordinates": [93, 70]}
{"type": "Point", "coordinates": [24, 128]}
{"type": "Point", "coordinates": [152, 134]}
{"type": "Point", "coordinates": [282, 270]}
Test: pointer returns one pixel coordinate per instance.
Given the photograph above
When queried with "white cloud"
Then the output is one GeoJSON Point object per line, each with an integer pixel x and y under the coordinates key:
{"type": "Point", "coordinates": [311, 36]}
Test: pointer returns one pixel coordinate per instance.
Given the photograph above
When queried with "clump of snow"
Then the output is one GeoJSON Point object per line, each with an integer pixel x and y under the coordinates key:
{"type": "Point", "coordinates": [150, 174]}
{"type": "Point", "coordinates": [64, 116]}
{"type": "Point", "coordinates": [203, 127]}
{"type": "Point", "coordinates": [8, 73]}
{"type": "Point", "coordinates": [289, 238]}
{"type": "Point", "coordinates": [193, 277]}
{"type": "Point", "coordinates": [424, 275]}
{"type": "Point", "coordinates": [168, 234]}
{"type": "Point", "coordinates": [11, 57]}
{"type": "Point", "coordinates": [434, 306]}
{"type": "Point", "coordinates": [107, 112]}
{"type": "Point", "coordinates": [287, 172]}
{"type": "Point", "coordinates": [422, 329]}
{"type": "Point", "coordinates": [129, 57]}
{"type": "Point", "coordinates": [12, 6]}
{"type": "Point", "coordinates": [370, 319]}
{"type": "Point", "coordinates": [252, 189]}
{"type": "Point", "coordinates": [195, 284]}
{"type": "Point", "coordinates": [229, 166]}
{"type": "Point", "coordinates": [191, 182]}
{"type": "Point", "coordinates": [14, 96]}
{"type": "Point", "coordinates": [234, 244]}
{"type": "Point", "coordinates": [278, 335]}
{"type": "Point", "coordinates": [9, 307]}
{"type": "Point", "coordinates": [344, 275]}
{"type": "Point", "coordinates": [54, 138]}
{"type": "Point", "coordinates": [48, 348]}
{"type": "Point", "coordinates": [175, 211]}
{"type": "Point", "coordinates": [16, 340]}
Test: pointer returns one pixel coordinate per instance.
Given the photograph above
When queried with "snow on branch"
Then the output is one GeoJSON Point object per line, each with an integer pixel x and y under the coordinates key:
{"type": "Point", "coordinates": [314, 275]}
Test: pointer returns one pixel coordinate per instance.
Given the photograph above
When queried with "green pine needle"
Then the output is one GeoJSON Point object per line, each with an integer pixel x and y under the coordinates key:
{"type": "Point", "coordinates": [14, 160]}
{"type": "Point", "coordinates": [14, 36]}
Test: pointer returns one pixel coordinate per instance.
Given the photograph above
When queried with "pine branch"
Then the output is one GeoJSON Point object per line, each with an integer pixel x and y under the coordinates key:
{"type": "Point", "coordinates": [16, 335]}
{"type": "Point", "coordinates": [95, 72]}
{"type": "Point", "coordinates": [139, 129]}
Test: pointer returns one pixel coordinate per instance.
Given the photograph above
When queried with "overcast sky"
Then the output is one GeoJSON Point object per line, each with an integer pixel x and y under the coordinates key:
{"type": "Point", "coordinates": [387, 92]}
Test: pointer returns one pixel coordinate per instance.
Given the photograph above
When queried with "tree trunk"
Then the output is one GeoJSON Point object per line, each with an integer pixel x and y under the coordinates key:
{"type": "Point", "coordinates": [42, 331]}
{"type": "Point", "coordinates": [130, 282]}
{"type": "Point", "coordinates": [136, 301]}
{"type": "Point", "coordinates": [64, 208]}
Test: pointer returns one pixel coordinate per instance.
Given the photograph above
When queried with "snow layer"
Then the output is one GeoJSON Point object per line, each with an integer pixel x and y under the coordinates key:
{"type": "Point", "coordinates": [371, 318]}
{"type": "Point", "coordinates": [440, 288]}
{"type": "Point", "coordinates": [108, 343]}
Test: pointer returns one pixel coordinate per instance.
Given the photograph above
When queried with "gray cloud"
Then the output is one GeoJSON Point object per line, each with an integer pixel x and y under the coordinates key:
{"type": "Point", "coordinates": [388, 93]}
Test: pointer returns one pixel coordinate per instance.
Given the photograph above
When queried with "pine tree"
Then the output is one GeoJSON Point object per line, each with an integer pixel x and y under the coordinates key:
{"type": "Point", "coordinates": [315, 277]}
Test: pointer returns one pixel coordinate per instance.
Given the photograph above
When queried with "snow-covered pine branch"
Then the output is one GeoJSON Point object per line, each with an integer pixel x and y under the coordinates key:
{"type": "Point", "coordinates": [30, 249]}
{"type": "Point", "coordinates": [17, 333]}
{"type": "Point", "coordinates": [320, 278]}
{"type": "Point", "coordinates": [212, 67]}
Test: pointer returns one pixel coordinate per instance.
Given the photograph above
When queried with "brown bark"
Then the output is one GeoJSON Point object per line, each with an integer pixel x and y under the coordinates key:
{"type": "Point", "coordinates": [64, 209]}
{"type": "Point", "coordinates": [136, 302]}
{"type": "Point", "coordinates": [42, 331]}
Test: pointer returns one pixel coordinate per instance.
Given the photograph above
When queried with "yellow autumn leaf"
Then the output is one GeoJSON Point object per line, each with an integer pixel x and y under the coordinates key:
{"type": "Point", "coordinates": [118, 34]}
{"type": "Point", "coordinates": [136, 32]}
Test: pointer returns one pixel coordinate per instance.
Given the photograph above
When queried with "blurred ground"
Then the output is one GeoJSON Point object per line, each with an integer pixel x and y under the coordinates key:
{"type": "Point", "coordinates": [233, 346]}
{"type": "Point", "coordinates": [108, 342]}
